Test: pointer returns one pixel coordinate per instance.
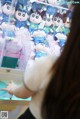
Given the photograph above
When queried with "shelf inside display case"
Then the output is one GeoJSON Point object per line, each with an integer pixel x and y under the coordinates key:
{"type": "Point", "coordinates": [61, 4]}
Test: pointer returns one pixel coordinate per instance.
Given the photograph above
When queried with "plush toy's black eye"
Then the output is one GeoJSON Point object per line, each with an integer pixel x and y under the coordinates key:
{"type": "Point", "coordinates": [33, 15]}
{"type": "Point", "coordinates": [55, 19]}
{"type": "Point", "coordinates": [8, 7]}
{"type": "Point", "coordinates": [58, 20]}
{"type": "Point", "coordinates": [19, 14]}
{"type": "Point", "coordinates": [23, 15]}
{"type": "Point", "coordinates": [37, 17]}
{"type": "Point", "coordinates": [48, 19]}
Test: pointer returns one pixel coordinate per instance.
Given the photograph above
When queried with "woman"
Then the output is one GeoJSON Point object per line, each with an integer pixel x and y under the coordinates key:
{"type": "Point", "coordinates": [62, 97]}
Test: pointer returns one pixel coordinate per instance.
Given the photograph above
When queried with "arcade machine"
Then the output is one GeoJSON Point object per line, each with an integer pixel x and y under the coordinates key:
{"type": "Point", "coordinates": [29, 29]}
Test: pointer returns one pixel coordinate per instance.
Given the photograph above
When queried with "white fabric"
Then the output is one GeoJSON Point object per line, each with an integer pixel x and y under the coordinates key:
{"type": "Point", "coordinates": [36, 79]}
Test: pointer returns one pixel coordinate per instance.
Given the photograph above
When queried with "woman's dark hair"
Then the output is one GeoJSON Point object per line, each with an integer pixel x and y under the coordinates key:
{"type": "Point", "coordinates": [62, 97]}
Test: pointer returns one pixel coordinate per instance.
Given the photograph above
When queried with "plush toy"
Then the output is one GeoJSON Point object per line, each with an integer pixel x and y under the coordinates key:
{"type": "Point", "coordinates": [50, 10]}
{"type": "Point", "coordinates": [5, 25]}
{"type": "Point", "coordinates": [56, 2]}
{"type": "Point", "coordinates": [1, 32]}
{"type": "Point", "coordinates": [61, 39]}
{"type": "Point", "coordinates": [1, 18]}
{"type": "Point", "coordinates": [41, 50]}
{"type": "Point", "coordinates": [7, 10]}
{"type": "Point", "coordinates": [8, 31]}
{"type": "Point", "coordinates": [35, 19]}
{"type": "Point", "coordinates": [36, 6]}
{"type": "Point", "coordinates": [41, 0]}
{"type": "Point", "coordinates": [50, 13]}
{"type": "Point", "coordinates": [1, 40]}
{"type": "Point", "coordinates": [58, 25]}
{"type": "Point", "coordinates": [39, 36]}
{"type": "Point", "coordinates": [21, 15]}
{"type": "Point", "coordinates": [53, 46]}
{"type": "Point", "coordinates": [8, 34]}
{"type": "Point", "coordinates": [52, 2]}
{"type": "Point", "coordinates": [48, 24]}
{"type": "Point", "coordinates": [57, 20]}
{"type": "Point", "coordinates": [67, 23]}
{"type": "Point", "coordinates": [37, 1]}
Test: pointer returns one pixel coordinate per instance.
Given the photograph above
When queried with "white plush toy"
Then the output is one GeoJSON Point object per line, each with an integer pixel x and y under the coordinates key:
{"type": "Point", "coordinates": [52, 2]}
{"type": "Point", "coordinates": [5, 25]}
{"type": "Point", "coordinates": [40, 47]}
{"type": "Point", "coordinates": [41, 0]}
{"type": "Point", "coordinates": [39, 33]}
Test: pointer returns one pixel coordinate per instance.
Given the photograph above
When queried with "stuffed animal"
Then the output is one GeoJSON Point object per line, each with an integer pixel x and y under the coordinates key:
{"type": "Point", "coordinates": [41, 50]}
{"type": "Point", "coordinates": [7, 10]}
{"type": "Point", "coordinates": [41, 0]}
{"type": "Point", "coordinates": [53, 46]}
{"type": "Point", "coordinates": [35, 19]}
{"type": "Point", "coordinates": [48, 24]}
{"type": "Point", "coordinates": [61, 39]}
{"type": "Point", "coordinates": [51, 10]}
{"type": "Point", "coordinates": [39, 36]}
{"type": "Point", "coordinates": [52, 2]}
{"type": "Point", "coordinates": [58, 25]}
{"type": "Point", "coordinates": [21, 16]}
{"type": "Point", "coordinates": [67, 23]}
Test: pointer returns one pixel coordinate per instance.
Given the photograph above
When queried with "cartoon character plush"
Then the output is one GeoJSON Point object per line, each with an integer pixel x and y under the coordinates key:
{"type": "Point", "coordinates": [53, 45]}
{"type": "Point", "coordinates": [61, 39]}
{"type": "Point", "coordinates": [58, 25]}
{"type": "Point", "coordinates": [41, 51]}
{"type": "Point", "coordinates": [7, 10]}
{"type": "Point", "coordinates": [8, 31]}
{"type": "Point", "coordinates": [21, 15]}
{"type": "Point", "coordinates": [36, 6]}
{"type": "Point", "coordinates": [52, 2]}
{"type": "Point", "coordinates": [56, 2]}
{"type": "Point", "coordinates": [41, 0]}
{"type": "Point", "coordinates": [48, 24]}
{"type": "Point", "coordinates": [67, 23]}
{"type": "Point", "coordinates": [1, 17]}
{"type": "Point", "coordinates": [1, 40]}
{"type": "Point", "coordinates": [50, 10]}
{"type": "Point", "coordinates": [35, 19]}
{"type": "Point", "coordinates": [39, 36]}
{"type": "Point", "coordinates": [8, 34]}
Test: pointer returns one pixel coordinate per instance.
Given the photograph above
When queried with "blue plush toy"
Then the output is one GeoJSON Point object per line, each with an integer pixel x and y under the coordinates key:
{"type": "Point", "coordinates": [51, 10]}
{"type": "Point", "coordinates": [40, 39]}
{"type": "Point", "coordinates": [36, 6]}
{"type": "Point", "coordinates": [40, 50]}
{"type": "Point", "coordinates": [21, 15]}
{"type": "Point", "coordinates": [35, 19]}
{"type": "Point", "coordinates": [39, 54]}
{"type": "Point", "coordinates": [67, 23]}
{"type": "Point", "coordinates": [8, 34]}
{"type": "Point", "coordinates": [6, 10]}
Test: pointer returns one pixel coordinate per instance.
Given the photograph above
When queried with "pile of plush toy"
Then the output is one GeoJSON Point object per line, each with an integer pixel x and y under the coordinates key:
{"type": "Point", "coordinates": [29, 30]}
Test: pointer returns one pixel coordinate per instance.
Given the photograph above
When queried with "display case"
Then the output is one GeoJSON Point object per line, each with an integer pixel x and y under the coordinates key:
{"type": "Point", "coordinates": [29, 30]}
